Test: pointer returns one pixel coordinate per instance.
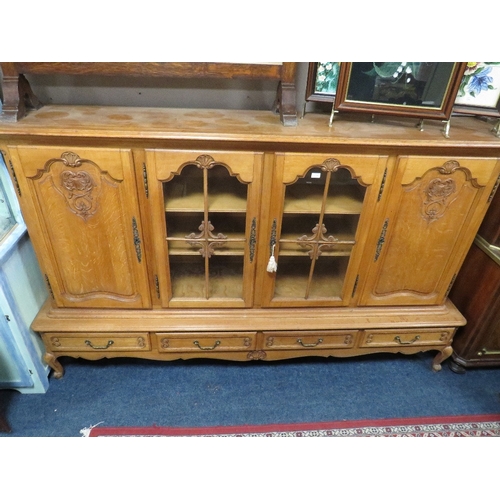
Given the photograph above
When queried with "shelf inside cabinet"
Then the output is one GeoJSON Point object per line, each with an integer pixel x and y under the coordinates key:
{"type": "Point", "coordinates": [194, 202]}
{"type": "Point", "coordinates": [349, 201]}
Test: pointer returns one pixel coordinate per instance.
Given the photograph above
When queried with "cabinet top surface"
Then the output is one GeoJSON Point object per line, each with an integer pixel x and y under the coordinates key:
{"type": "Point", "coordinates": [244, 126]}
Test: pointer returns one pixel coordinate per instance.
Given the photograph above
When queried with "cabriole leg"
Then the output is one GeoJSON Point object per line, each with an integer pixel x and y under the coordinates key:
{"type": "Point", "coordinates": [51, 360]}
{"type": "Point", "coordinates": [440, 357]}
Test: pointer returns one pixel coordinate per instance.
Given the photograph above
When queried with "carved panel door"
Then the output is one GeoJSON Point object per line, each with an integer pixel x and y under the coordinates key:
{"type": "Point", "coordinates": [204, 211]}
{"type": "Point", "coordinates": [434, 212]}
{"type": "Point", "coordinates": [321, 210]}
{"type": "Point", "coordinates": [82, 209]}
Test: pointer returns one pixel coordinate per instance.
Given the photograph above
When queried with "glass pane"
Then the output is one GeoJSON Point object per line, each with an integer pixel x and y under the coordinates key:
{"type": "Point", "coordinates": [185, 191]}
{"type": "Point", "coordinates": [7, 220]}
{"type": "Point", "coordinates": [231, 225]}
{"type": "Point", "coordinates": [226, 276]}
{"type": "Point", "coordinates": [328, 278]}
{"type": "Point", "coordinates": [225, 192]}
{"type": "Point", "coordinates": [292, 277]}
{"type": "Point", "coordinates": [400, 83]}
{"type": "Point", "coordinates": [187, 275]}
{"type": "Point", "coordinates": [345, 194]}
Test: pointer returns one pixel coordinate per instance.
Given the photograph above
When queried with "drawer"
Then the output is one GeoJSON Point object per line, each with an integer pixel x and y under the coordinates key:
{"type": "Point", "coordinates": [97, 342]}
{"type": "Point", "coordinates": [408, 338]}
{"type": "Point", "coordinates": [206, 342]}
{"type": "Point", "coordinates": [318, 339]}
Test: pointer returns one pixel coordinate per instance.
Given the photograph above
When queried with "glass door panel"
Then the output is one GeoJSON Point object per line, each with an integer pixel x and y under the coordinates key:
{"type": "Point", "coordinates": [318, 232]}
{"type": "Point", "coordinates": [205, 213]}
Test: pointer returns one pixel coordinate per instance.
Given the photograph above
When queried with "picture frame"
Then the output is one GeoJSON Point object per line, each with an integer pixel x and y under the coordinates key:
{"type": "Point", "coordinates": [479, 91]}
{"type": "Point", "coordinates": [419, 90]}
{"type": "Point", "coordinates": [322, 81]}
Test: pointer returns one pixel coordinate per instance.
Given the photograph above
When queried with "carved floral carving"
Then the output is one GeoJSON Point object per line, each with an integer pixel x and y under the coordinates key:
{"type": "Point", "coordinates": [437, 198]}
{"type": "Point", "coordinates": [77, 189]}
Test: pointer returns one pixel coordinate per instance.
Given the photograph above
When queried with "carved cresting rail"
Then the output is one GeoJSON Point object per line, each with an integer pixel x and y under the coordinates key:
{"type": "Point", "coordinates": [18, 96]}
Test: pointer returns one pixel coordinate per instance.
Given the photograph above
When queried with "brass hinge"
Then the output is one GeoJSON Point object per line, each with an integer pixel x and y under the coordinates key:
{"type": "Point", "coordinates": [272, 241]}
{"type": "Point", "coordinates": [137, 240]}
{"type": "Point", "coordinates": [49, 286]}
{"type": "Point", "coordinates": [355, 286]}
{"type": "Point", "coordinates": [253, 238]}
{"type": "Point", "coordinates": [145, 178]}
{"type": "Point", "coordinates": [381, 240]}
{"type": "Point", "coordinates": [157, 286]}
{"type": "Point", "coordinates": [382, 185]}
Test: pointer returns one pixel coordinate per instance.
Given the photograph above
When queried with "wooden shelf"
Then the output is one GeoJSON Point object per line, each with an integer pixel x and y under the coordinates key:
{"type": "Point", "coordinates": [193, 202]}
{"type": "Point", "coordinates": [226, 283]}
{"type": "Point", "coordinates": [311, 203]}
{"type": "Point", "coordinates": [294, 287]}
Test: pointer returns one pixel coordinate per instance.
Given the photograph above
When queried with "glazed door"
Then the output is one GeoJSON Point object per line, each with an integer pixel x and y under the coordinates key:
{"type": "Point", "coordinates": [204, 208]}
{"type": "Point", "coordinates": [321, 208]}
{"type": "Point", "coordinates": [82, 210]}
{"type": "Point", "coordinates": [435, 208]}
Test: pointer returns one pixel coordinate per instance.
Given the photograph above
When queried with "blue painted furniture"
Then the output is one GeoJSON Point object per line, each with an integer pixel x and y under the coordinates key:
{"type": "Point", "coordinates": [22, 293]}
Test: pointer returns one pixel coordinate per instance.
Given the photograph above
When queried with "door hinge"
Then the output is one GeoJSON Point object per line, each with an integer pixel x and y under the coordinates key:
{"type": "Point", "coordinates": [157, 286]}
{"type": "Point", "coordinates": [381, 240]}
{"type": "Point", "coordinates": [382, 185]}
{"type": "Point", "coordinates": [137, 240]}
{"type": "Point", "coordinates": [253, 238]}
{"type": "Point", "coordinates": [49, 286]}
{"type": "Point", "coordinates": [145, 179]}
{"type": "Point", "coordinates": [355, 286]}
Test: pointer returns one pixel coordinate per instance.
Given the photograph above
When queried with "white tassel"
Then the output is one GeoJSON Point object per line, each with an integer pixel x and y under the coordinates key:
{"type": "Point", "coordinates": [272, 266]}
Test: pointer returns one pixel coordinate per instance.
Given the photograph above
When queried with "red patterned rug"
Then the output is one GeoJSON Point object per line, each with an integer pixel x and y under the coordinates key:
{"type": "Point", "coordinates": [454, 426]}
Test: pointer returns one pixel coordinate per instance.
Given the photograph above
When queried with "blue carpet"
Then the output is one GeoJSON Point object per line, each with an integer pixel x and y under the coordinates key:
{"type": "Point", "coordinates": [196, 393]}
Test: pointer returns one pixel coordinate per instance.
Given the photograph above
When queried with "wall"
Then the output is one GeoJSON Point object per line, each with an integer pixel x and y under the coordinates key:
{"type": "Point", "coordinates": [165, 92]}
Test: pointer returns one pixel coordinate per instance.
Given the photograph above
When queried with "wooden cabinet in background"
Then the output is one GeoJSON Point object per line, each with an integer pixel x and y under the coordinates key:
{"type": "Point", "coordinates": [174, 234]}
{"type": "Point", "coordinates": [477, 293]}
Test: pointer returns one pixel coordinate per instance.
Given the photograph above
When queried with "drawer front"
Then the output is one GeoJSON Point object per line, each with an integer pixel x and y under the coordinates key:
{"type": "Point", "coordinates": [98, 342]}
{"type": "Point", "coordinates": [206, 342]}
{"type": "Point", "coordinates": [408, 338]}
{"type": "Point", "coordinates": [310, 339]}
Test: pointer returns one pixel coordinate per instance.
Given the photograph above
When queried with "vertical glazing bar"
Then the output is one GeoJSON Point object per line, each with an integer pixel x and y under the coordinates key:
{"type": "Point", "coordinates": [207, 225]}
{"type": "Point", "coordinates": [315, 245]}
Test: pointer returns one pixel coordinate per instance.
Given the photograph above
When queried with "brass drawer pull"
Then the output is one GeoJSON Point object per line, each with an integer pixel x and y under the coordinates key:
{"type": "Point", "coordinates": [399, 341]}
{"type": "Point", "coordinates": [299, 341]}
{"type": "Point", "coordinates": [196, 343]}
{"type": "Point", "coordinates": [485, 352]}
{"type": "Point", "coordinates": [89, 343]}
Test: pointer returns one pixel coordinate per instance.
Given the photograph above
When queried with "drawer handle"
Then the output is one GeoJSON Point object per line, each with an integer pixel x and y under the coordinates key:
{"type": "Point", "coordinates": [89, 343]}
{"type": "Point", "coordinates": [196, 343]}
{"type": "Point", "coordinates": [399, 341]}
{"type": "Point", "coordinates": [309, 345]}
{"type": "Point", "coordinates": [485, 352]}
